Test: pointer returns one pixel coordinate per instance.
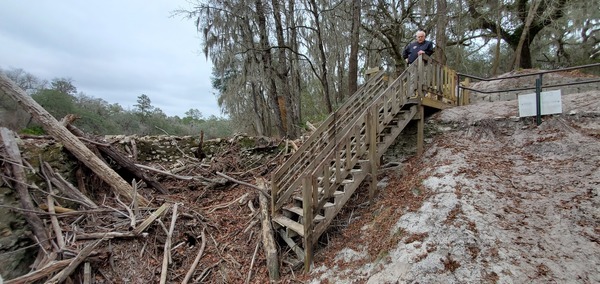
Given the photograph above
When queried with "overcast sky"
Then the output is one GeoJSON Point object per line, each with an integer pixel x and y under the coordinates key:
{"type": "Point", "coordinates": [114, 50]}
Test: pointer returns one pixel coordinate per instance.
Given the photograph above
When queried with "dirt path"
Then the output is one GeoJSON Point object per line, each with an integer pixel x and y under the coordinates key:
{"type": "Point", "coordinates": [504, 201]}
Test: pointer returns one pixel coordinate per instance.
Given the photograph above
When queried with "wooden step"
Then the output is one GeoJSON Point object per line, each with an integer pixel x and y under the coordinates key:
{"type": "Point", "coordinates": [336, 194]}
{"type": "Point", "coordinates": [332, 180]}
{"type": "Point", "coordinates": [289, 224]}
{"type": "Point", "coordinates": [299, 201]}
{"type": "Point", "coordinates": [300, 212]}
{"type": "Point", "coordinates": [299, 198]}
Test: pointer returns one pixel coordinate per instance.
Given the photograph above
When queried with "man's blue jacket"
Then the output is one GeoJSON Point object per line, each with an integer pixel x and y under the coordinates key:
{"type": "Point", "coordinates": [411, 51]}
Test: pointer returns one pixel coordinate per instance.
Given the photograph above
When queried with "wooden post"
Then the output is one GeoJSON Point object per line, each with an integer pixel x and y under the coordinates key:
{"type": "Point", "coordinates": [268, 240]}
{"type": "Point", "coordinates": [420, 128]}
{"type": "Point", "coordinates": [421, 112]}
{"type": "Point", "coordinates": [465, 95]}
{"type": "Point", "coordinates": [307, 206]}
{"type": "Point", "coordinates": [59, 132]}
{"type": "Point", "coordinates": [373, 161]}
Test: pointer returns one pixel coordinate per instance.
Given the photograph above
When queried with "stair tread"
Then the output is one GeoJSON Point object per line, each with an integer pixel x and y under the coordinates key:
{"type": "Point", "coordinates": [300, 212]}
{"type": "Point", "coordinates": [335, 193]}
{"type": "Point", "coordinates": [289, 223]}
{"type": "Point", "coordinates": [299, 198]}
{"type": "Point", "coordinates": [345, 181]}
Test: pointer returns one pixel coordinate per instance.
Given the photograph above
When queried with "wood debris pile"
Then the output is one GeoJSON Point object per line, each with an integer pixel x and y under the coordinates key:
{"type": "Point", "coordinates": [206, 222]}
{"type": "Point", "coordinates": [201, 227]}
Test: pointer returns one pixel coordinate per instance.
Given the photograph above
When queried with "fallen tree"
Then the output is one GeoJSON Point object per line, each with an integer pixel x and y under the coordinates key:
{"type": "Point", "coordinates": [76, 147]}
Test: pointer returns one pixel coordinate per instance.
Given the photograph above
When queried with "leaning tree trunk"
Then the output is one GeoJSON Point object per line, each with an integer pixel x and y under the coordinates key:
{"type": "Point", "coordinates": [72, 143]}
{"type": "Point", "coordinates": [295, 63]}
{"type": "Point", "coordinates": [283, 75]}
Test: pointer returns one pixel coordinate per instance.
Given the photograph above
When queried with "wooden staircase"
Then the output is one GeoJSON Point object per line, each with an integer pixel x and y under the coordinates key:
{"type": "Point", "coordinates": [314, 184]}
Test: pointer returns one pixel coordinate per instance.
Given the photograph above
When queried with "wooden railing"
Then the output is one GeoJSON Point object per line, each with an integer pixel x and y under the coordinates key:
{"type": "Point", "coordinates": [286, 179]}
{"type": "Point", "coordinates": [356, 142]}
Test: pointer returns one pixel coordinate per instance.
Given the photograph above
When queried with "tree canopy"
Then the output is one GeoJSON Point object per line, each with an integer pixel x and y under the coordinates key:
{"type": "Point", "coordinates": [277, 64]}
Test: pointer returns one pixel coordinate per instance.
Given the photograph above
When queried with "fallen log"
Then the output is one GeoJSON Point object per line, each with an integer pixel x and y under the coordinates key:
{"type": "Point", "coordinates": [66, 187]}
{"type": "Point", "coordinates": [14, 155]}
{"type": "Point", "coordinates": [59, 132]}
{"type": "Point", "coordinates": [261, 190]}
{"type": "Point", "coordinates": [121, 159]}
{"type": "Point", "coordinates": [267, 234]}
{"type": "Point", "coordinates": [39, 274]}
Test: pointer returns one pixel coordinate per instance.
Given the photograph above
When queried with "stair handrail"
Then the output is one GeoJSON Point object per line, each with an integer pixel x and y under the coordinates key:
{"type": "Point", "coordinates": [394, 96]}
{"type": "Point", "coordinates": [286, 176]}
{"type": "Point", "coordinates": [391, 100]}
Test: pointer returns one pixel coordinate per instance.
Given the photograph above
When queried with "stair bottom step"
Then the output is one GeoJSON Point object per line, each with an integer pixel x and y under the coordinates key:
{"type": "Point", "coordinates": [290, 224]}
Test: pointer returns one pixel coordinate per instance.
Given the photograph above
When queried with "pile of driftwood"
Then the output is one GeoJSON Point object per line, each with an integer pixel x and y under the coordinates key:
{"type": "Point", "coordinates": [67, 244]}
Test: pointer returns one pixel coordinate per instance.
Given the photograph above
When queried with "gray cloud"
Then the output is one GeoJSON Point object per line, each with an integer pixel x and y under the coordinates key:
{"type": "Point", "coordinates": [114, 50]}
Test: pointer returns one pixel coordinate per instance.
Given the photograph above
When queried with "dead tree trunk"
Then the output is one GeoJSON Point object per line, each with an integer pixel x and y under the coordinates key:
{"type": "Point", "coordinates": [123, 161]}
{"type": "Point", "coordinates": [267, 234]}
{"type": "Point", "coordinates": [13, 153]}
{"type": "Point", "coordinates": [59, 132]}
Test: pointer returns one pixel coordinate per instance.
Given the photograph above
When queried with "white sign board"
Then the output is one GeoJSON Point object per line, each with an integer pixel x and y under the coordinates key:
{"type": "Point", "coordinates": [551, 103]}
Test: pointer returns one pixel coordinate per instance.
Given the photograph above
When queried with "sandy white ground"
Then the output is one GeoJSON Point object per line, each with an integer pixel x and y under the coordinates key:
{"type": "Point", "coordinates": [510, 202]}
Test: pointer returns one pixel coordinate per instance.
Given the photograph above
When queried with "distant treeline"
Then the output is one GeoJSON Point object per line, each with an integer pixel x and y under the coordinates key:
{"type": "Point", "coordinates": [97, 116]}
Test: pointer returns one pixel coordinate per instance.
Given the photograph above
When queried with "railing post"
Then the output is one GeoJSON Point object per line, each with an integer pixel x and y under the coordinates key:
{"type": "Point", "coordinates": [456, 88]}
{"type": "Point", "coordinates": [307, 205]}
{"type": "Point", "coordinates": [339, 167]}
{"type": "Point", "coordinates": [420, 76]}
{"type": "Point", "coordinates": [538, 100]}
{"type": "Point", "coordinates": [372, 139]}
{"type": "Point", "coordinates": [420, 128]}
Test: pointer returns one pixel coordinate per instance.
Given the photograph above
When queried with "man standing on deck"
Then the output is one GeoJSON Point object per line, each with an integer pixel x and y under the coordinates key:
{"type": "Point", "coordinates": [416, 48]}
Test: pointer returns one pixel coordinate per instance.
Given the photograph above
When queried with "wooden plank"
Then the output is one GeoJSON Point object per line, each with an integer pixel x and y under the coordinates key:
{"type": "Point", "coordinates": [293, 245]}
{"type": "Point", "coordinates": [435, 103]}
{"type": "Point", "coordinates": [289, 224]}
{"type": "Point", "coordinates": [372, 130]}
